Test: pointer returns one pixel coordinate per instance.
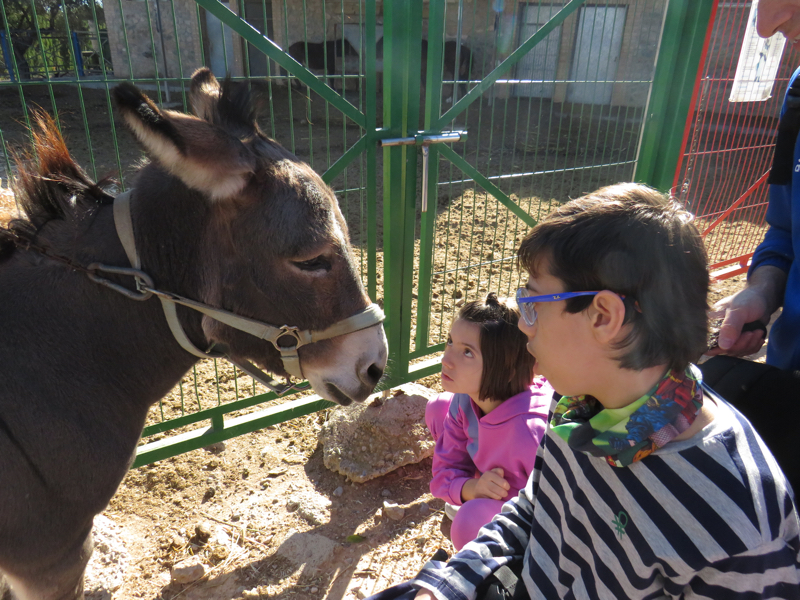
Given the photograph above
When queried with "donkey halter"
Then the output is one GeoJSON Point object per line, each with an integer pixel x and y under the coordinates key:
{"type": "Point", "coordinates": [286, 339]}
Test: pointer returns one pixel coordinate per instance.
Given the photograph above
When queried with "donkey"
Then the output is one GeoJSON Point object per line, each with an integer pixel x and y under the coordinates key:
{"type": "Point", "coordinates": [323, 57]}
{"type": "Point", "coordinates": [226, 220]}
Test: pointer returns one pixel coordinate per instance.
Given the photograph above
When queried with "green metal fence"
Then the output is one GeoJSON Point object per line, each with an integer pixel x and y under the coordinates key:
{"type": "Point", "coordinates": [550, 100]}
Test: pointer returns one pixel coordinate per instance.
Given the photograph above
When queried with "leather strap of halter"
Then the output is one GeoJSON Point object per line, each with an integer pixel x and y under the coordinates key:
{"type": "Point", "coordinates": [368, 317]}
{"type": "Point", "coordinates": [124, 224]}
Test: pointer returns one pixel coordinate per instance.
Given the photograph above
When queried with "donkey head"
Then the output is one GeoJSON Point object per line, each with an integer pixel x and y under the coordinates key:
{"type": "Point", "coordinates": [274, 245]}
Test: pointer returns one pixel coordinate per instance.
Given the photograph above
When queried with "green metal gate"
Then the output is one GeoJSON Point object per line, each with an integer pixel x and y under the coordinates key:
{"type": "Point", "coordinates": [499, 109]}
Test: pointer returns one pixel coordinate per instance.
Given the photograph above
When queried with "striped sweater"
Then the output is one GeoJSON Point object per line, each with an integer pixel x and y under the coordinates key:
{"type": "Point", "coordinates": [708, 517]}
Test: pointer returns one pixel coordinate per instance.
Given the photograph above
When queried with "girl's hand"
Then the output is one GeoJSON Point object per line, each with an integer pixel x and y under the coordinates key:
{"type": "Point", "coordinates": [424, 595]}
{"type": "Point", "coordinates": [490, 485]}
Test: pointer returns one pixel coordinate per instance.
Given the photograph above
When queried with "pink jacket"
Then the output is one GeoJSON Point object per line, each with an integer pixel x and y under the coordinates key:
{"type": "Point", "coordinates": [507, 437]}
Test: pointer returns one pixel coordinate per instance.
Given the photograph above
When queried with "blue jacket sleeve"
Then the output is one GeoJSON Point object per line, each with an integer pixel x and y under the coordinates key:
{"type": "Point", "coordinates": [776, 249]}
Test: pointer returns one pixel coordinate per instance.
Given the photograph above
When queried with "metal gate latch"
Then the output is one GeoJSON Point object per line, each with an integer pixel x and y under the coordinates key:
{"type": "Point", "coordinates": [446, 137]}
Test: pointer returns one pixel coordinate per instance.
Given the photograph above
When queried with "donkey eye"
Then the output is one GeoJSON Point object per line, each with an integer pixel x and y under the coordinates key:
{"type": "Point", "coordinates": [318, 263]}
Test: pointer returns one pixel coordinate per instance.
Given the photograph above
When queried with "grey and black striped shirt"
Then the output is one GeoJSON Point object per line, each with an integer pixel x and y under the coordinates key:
{"type": "Point", "coordinates": [708, 517]}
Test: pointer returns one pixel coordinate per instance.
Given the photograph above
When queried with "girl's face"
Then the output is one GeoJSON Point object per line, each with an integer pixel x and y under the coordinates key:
{"type": "Point", "coordinates": [462, 363]}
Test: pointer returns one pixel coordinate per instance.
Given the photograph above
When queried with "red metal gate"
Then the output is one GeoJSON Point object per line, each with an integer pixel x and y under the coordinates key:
{"type": "Point", "coordinates": [727, 148]}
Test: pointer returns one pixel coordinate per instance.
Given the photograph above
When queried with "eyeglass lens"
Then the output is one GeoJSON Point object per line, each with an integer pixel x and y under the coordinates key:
{"type": "Point", "coordinates": [526, 309]}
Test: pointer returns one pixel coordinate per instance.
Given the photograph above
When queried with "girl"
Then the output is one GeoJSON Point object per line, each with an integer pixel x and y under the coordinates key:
{"type": "Point", "coordinates": [488, 426]}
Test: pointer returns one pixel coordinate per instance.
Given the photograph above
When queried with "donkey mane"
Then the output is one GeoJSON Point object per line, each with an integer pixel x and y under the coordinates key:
{"type": "Point", "coordinates": [49, 186]}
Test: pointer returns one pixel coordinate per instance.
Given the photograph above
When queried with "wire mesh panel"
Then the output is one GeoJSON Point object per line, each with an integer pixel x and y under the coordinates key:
{"type": "Point", "coordinates": [562, 120]}
{"type": "Point", "coordinates": [549, 98]}
{"type": "Point", "coordinates": [728, 148]}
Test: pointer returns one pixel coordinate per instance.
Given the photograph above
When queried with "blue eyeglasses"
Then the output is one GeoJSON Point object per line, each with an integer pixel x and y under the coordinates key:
{"type": "Point", "coordinates": [526, 302]}
{"type": "Point", "coordinates": [528, 310]}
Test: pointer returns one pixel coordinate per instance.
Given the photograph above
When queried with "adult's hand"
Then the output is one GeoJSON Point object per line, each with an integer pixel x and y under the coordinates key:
{"type": "Point", "coordinates": [490, 485]}
{"type": "Point", "coordinates": [762, 297]}
{"type": "Point", "coordinates": [743, 307]}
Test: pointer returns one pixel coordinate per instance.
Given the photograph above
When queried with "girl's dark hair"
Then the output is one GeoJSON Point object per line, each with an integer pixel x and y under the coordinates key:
{"type": "Point", "coordinates": [632, 240]}
{"type": "Point", "coordinates": [507, 364]}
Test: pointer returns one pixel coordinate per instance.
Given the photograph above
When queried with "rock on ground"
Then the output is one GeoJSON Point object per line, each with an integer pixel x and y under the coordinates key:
{"type": "Point", "coordinates": [308, 549]}
{"type": "Point", "coordinates": [364, 441]}
{"type": "Point", "coordinates": [313, 507]}
{"type": "Point", "coordinates": [106, 568]}
{"type": "Point", "coordinates": [189, 570]}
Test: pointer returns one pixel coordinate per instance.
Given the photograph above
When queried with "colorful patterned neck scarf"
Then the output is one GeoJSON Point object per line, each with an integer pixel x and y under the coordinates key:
{"type": "Point", "coordinates": [624, 435]}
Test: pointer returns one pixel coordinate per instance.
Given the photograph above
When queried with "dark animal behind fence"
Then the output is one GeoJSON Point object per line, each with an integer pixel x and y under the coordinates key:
{"type": "Point", "coordinates": [321, 57]}
{"type": "Point", "coordinates": [451, 50]}
{"type": "Point", "coordinates": [223, 215]}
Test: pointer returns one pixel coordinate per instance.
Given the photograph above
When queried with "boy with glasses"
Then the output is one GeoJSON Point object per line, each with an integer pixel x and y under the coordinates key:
{"type": "Point", "coordinates": [647, 484]}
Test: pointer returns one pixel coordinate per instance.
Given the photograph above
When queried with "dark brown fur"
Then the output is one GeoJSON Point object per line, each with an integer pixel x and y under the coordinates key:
{"type": "Point", "coordinates": [81, 365]}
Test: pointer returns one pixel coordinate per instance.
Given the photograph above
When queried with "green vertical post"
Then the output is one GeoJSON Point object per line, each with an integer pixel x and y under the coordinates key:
{"type": "Point", "coordinates": [402, 44]}
{"type": "Point", "coordinates": [682, 41]}
{"type": "Point", "coordinates": [433, 102]}
{"type": "Point", "coordinates": [372, 147]}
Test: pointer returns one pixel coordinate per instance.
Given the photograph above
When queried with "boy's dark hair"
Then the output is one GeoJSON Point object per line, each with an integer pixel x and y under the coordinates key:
{"type": "Point", "coordinates": [507, 364]}
{"type": "Point", "coordinates": [632, 240]}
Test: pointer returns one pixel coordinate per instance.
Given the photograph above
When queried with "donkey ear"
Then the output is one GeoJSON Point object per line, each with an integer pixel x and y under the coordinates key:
{"type": "Point", "coordinates": [203, 156]}
{"type": "Point", "coordinates": [204, 93]}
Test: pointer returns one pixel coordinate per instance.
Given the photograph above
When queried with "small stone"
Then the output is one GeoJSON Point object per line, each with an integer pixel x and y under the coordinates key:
{"type": "Point", "coordinates": [203, 531]}
{"type": "Point", "coordinates": [292, 504]}
{"type": "Point", "coordinates": [314, 590]}
{"type": "Point", "coordinates": [338, 491]}
{"type": "Point", "coordinates": [361, 593]}
{"type": "Point", "coordinates": [391, 510]}
{"type": "Point", "coordinates": [216, 448]}
{"type": "Point", "coordinates": [219, 553]}
{"type": "Point", "coordinates": [386, 493]}
{"type": "Point", "coordinates": [177, 541]}
{"type": "Point", "coordinates": [424, 508]}
{"type": "Point", "coordinates": [220, 537]}
{"type": "Point", "coordinates": [188, 571]}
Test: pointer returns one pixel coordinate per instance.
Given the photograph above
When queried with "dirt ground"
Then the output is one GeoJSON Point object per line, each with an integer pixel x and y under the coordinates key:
{"type": "Point", "coordinates": [239, 491]}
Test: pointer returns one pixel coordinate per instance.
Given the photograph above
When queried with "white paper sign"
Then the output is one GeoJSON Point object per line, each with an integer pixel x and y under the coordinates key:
{"type": "Point", "coordinates": [758, 63]}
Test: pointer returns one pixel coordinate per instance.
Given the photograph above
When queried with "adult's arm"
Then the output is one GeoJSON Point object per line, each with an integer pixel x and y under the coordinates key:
{"type": "Point", "coordinates": [766, 280]}
{"type": "Point", "coordinates": [762, 297]}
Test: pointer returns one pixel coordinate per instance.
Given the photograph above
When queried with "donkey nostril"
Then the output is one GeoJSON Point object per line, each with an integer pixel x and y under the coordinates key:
{"type": "Point", "coordinates": [374, 374]}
